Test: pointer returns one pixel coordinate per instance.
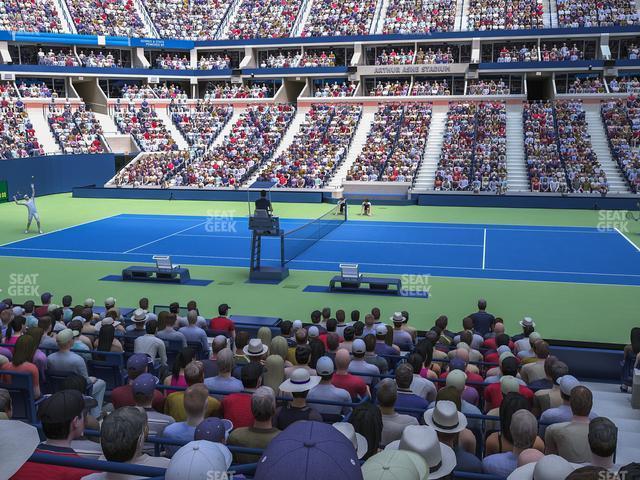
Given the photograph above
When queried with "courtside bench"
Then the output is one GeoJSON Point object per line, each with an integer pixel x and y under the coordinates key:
{"type": "Point", "coordinates": [375, 284]}
{"type": "Point", "coordinates": [154, 274]}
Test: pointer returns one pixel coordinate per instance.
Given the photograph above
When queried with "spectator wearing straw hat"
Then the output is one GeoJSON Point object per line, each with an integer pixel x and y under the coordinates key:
{"type": "Point", "coordinates": [358, 441]}
{"type": "Point", "coordinates": [393, 422]}
{"type": "Point", "coordinates": [326, 391]}
{"type": "Point", "coordinates": [401, 337]}
{"type": "Point", "coordinates": [139, 319]}
{"type": "Point", "coordinates": [521, 340]}
{"type": "Point", "coordinates": [17, 443]}
{"type": "Point", "coordinates": [201, 459]}
{"type": "Point", "coordinates": [299, 385]}
{"type": "Point", "coordinates": [394, 465]}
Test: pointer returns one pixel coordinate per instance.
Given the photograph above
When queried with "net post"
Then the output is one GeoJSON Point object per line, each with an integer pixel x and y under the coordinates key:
{"type": "Point", "coordinates": [282, 259]}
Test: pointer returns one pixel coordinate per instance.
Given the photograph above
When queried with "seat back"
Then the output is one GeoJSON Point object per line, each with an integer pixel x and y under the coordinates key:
{"type": "Point", "coordinates": [20, 388]}
{"type": "Point", "coordinates": [350, 270]}
{"type": "Point", "coordinates": [163, 262]}
{"type": "Point", "coordinates": [55, 378]}
{"type": "Point", "coordinates": [107, 371]}
{"type": "Point", "coordinates": [197, 348]}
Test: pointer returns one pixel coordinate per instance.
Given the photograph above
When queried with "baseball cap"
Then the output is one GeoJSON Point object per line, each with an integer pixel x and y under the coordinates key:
{"type": "Point", "coordinates": [213, 429]}
{"type": "Point", "coordinates": [64, 336]}
{"type": "Point", "coordinates": [18, 311]}
{"type": "Point", "coordinates": [198, 460]}
{"type": "Point", "coordinates": [224, 307]}
{"type": "Point", "coordinates": [509, 384]}
{"type": "Point", "coordinates": [297, 324]}
{"type": "Point", "coordinates": [309, 450]}
{"type": "Point", "coordinates": [358, 346]}
{"type": "Point", "coordinates": [381, 329]}
{"type": "Point", "coordinates": [89, 302]}
{"type": "Point", "coordinates": [567, 383]}
{"type": "Point", "coordinates": [393, 465]}
{"type": "Point", "coordinates": [64, 406]}
{"type": "Point", "coordinates": [144, 384]}
{"type": "Point", "coordinates": [46, 297]}
{"type": "Point", "coordinates": [314, 332]}
{"type": "Point", "coordinates": [137, 362]}
{"type": "Point", "coordinates": [324, 366]}
{"type": "Point", "coordinates": [457, 379]}
{"type": "Point", "coordinates": [457, 364]}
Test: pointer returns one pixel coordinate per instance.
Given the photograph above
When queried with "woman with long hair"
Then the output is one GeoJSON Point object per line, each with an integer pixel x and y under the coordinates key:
{"type": "Point", "coordinates": [273, 374]}
{"type": "Point", "coordinates": [176, 379]}
{"type": "Point", "coordinates": [107, 341]}
{"type": "Point", "coordinates": [25, 348]}
{"type": "Point", "coordinates": [39, 357]}
{"type": "Point", "coordinates": [264, 334]}
{"type": "Point", "coordinates": [501, 441]}
{"type": "Point", "coordinates": [15, 329]}
{"type": "Point", "coordinates": [280, 347]}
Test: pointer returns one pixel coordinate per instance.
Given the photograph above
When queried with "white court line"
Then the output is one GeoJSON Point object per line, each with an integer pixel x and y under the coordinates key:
{"type": "Point", "coordinates": [384, 242]}
{"type": "Point", "coordinates": [165, 237]}
{"type": "Point", "coordinates": [59, 230]}
{"type": "Point", "coordinates": [627, 239]}
{"type": "Point", "coordinates": [484, 248]}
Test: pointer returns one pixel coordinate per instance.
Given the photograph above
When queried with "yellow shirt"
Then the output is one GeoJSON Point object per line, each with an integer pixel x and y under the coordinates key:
{"type": "Point", "coordinates": [174, 406]}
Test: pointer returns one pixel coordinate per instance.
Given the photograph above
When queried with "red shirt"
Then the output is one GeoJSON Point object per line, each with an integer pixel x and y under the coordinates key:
{"type": "Point", "coordinates": [237, 408]}
{"type": "Point", "coordinates": [123, 397]}
{"type": "Point", "coordinates": [351, 383]}
{"type": "Point", "coordinates": [493, 395]}
{"type": "Point", "coordinates": [26, 367]}
{"type": "Point", "coordinates": [38, 471]}
{"type": "Point", "coordinates": [223, 324]}
{"type": "Point", "coordinates": [490, 343]}
{"type": "Point", "coordinates": [323, 339]}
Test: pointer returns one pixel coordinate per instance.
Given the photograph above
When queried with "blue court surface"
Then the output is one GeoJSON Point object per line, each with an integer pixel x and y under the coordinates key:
{"type": "Point", "coordinates": [560, 254]}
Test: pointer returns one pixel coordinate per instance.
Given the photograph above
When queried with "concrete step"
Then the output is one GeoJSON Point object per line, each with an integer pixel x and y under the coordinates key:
{"type": "Point", "coordinates": [426, 174]}
{"type": "Point", "coordinates": [163, 115]}
{"type": "Point", "coordinates": [42, 130]}
{"type": "Point", "coordinates": [222, 136]}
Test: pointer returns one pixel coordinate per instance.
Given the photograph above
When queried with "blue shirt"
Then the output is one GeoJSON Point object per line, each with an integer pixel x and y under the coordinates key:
{"type": "Point", "coordinates": [411, 400]}
{"type": "Point", "coordinates": [196, 334]}
{"type": "Point", "coordinates": [500, 464]}
{"type": "Point", "coordinates": [223, 384]}
{"type": "Point", "coordinates": [180, 432]}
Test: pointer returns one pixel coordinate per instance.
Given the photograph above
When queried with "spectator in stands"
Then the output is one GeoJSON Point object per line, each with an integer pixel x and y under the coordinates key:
{"type": "Point", "coordinates": [406, 399]}
{"type": "Point", "coordinates": [631, 358]}
{"type": "Point", "coordinates": [64, 360]}
{"type": "Point", "coordinates": [326, 391]}
{"type": "Point", "coordinates": [523, 429]}
{"type": "Point", "coordinates": [422, 387]}
{"type": "Point", "coordinates": [166, 329]}
{"type": "Point", "coordinates": [353, 384]}
{"type": "Point", "coordinates": [261, 432]}
{"type": "Point", "coordinates": [62, 417]}
{"type": "Point", "coordinates": [494, 393]}
{"type": "Point", "coordinates": [177, 377]}
{"type": "Point", "coordinates": [237, 406]}
{"type": "Point", "coordinates": [174, 404]}
{"type": "Point", "coordinates": [401, 337]}
{"type": "Point", "coordinates": [302, 360]}
{"type": "Point", "coordinates": [22, 361]}
{"type": "Point", "coordinates": [123, 396]}
{"type": "Point", "coordinates": [195, 407]}
{"type": "Point", "coordinates": [195, 334]}
{"type": "Point", "coordinates": [224, 382]}
{"type": "Point", "coordinates": [545, 399]}
{"type": "Point", "coordinates": [360, 366]}
{"type": "Point", "coordinates": [482, 320]}
{"type": "Point", "coordinates": [151, 345]}
{"type": "Point", "coordinates": [393, 422]}
{"type": "Point", "coordinates": [298, 385]}
{"type": "Point", "coordinates": [143, 388]}
{"type": "Point", "coordinates": [371, 356]}
{"type": "Point", "coordinates": [534, 371]}
{"type": "Point", "coordinates": [106, 340]}
{"type": "Point", "coordinates": [222, 322]}
{"type": "Point", "coordinates": [502, 440]}
{"type": "Point", "coordinates": [603, 442]}
{"type": "Point", "coordinates": [570, 439]}
{"type": "Point", "coordinates": [564, 412]}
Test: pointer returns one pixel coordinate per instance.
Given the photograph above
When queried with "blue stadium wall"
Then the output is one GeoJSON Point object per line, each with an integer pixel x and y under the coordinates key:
{"type": "Point", "coordinates": [56, 173]}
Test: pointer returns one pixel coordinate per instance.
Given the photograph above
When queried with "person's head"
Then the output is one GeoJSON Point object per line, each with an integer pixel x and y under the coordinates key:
{"type": "Point", "coordinates": [603, 437]}
{"type": "Point", "coordinates": [24, 349]}
{"type": "Point", "coordinates": [285, 328]}
{"type": "Point", "coordinates": [151, 327]}
{"type": "Point", "coordinates": [509, 366]}
{"type": "Point", "coordinates": [219, 342]}
{"type": "Point", "coordinates": [375, 311]}
{"type": "Point", "coordinates": [263, 404]}
{"type": "Point", "coordinates": [416, 361]}
{"type": "Point", "coordinates": [466, 337]}
{"type": "Point", "coordinates": [452, 394]}
{"type": "Point", "coordinates": [223, 309]}
{"type": "Point", "coordinates": [358, 329]}
{"type": "Point", "coordinates": [387, 393]}
{"type": "Point", "coordinates": [106, 336]}
{"type": "Point", "coordinates": [498, 327]}
{"type": "Point", "coordinates": [558, 370]}
{"type": "Point", "coordinates": [316, 316]}
{"type": "Point", "coordinates": [404, 376]}
{"type": "Point", "coordinates": [340, 316]}
{"type": "Point", "coordinates": [225, 361]}
{"type": "Point", "coordinates": [524, 429]}
{"type": "Point", "coordinates": [326, 313]}
{"type": "Point", "coordinates": [242, 339]}
{"type": "Point", "coordinates": [366, 419]}
{"type": "Point", "coordinates": [425, 349]}
{"type": "Point", "coordinates": [630, 471]}
{"type": "Point", "coordinates": [581, 401]}
{"type": "Point", "coordinates": [482, 304]}
{"type": "Point", "coordinates": [263, 194]}
{"type": "Point", "coordinates": [301, 336]}
{"type": "Point", "coordinates": [303, 354]}
{"type": "Point", "coordinates": [342, 359]}
{"type": "Point", "coordinates": [264, 334]}
{"type": "Point", "coordinates": [331, 325]}
{"type": "Point", "coordinates": [358, 349]}
{"type": "Point", "coordinates": [143, 303]}
{"type": "Point", "coordinates": [541, 349]}
{"type": "Point", "coordinates": [502, 339]}
{"type": "Point", "coordinates": [192, 317]}
{"type": "Point", "coordinates": [467, 323]}
{"type": "Point", "coordinates": [185, 356]}
{"type": "Point", "coordinates": [62, 415]}
{"type": "Point", "coordinates": [123, 433]}
{"type": "Point", "coordinates": [15, 327]}
{"type": "Point", "coordinates": [143, 388]}
{"type": "Point", "coordinates": [194, 372]}
{"type": "Point", "coordinates": [355, 316]}
{"type": "Point", "coordinates": [64, 339]}
{"type": "Point", "coordinates": [195, 400]}
{"type": "Point", "coordinates": [44, 323]}
{"type": "Point", "coordinates": [369, 320]}
{"type": "Point", "coordinates": [192, 305]}
{"type": "Point", "coordinates": [333, 342]}
{"type": "Point", "coordinates": [590, 472]}
{"type": "Point", "coordinates": [369, 343]}
{"type": "Point", "coordinates": [511, 403]}
{"type": "Point", "coordinates": [349, 334]}
{"type": "Point", "coordinates": [548, 365]}
{"type": "Point", "coordinates": [250, 375]}
{"type": "Point", "coordinates": [5, 403]}
{"type": "Point", "coordinates": [174, 307]}
{"type": "Point", "coordinates": [279, 347]}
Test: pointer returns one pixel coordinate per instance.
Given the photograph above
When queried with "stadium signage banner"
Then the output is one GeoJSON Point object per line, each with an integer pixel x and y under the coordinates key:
{"type": "Point", "coordinates": [4, 191]}
{"type": "Point", "coordinates": [412, 69]}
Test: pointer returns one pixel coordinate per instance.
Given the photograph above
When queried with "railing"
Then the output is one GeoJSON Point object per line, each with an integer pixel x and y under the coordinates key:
{"type": "Point", "coordinates": [226, 20]}
{"type": "Point", "coordinates": [142, 8]}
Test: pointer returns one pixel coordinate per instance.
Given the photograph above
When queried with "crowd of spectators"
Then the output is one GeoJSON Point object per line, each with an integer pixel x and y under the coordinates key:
{"type": "Point", "coordinates": [8, 90]}
{"type": "Point", "coordinates": [515, 54]}
{"type": "Point", "coordinates": [317, 149]}
{"type": "Point", "coordinates": [439, 56]}
{"type": "Point", "coordinates": [137, 92]}
{"type": "Point", "coordinates": [214, 62]}
{"type": "Point", "coordinates": [420, 16]}
{"type": "Point", "coordinates": [584, 172]}
{"type": "Point", "coordinates": [17, 136]}
{"type": "Point", "coordinates": [379, 144]}
{"type": "Point", "coordinates": [563, 53]}
{"type": "Point", "coordinates": [501, 15]}
{"type": "Point", "coordinates": [382, 401]}
{"type": "Point", "coordinates": [430, 87]}
{"type": "Point", "coordinates": [332, 18]}
{"type": "Point", "coordinates": [454, 167]}
{"type": "Point", "coordinates": [284, 61]}
{"type": "Point", "coordinates": [193, 20]}
{"type": "Point", "coordinates": [76, 130]}
{"type": "Point", "coordinates": [60, 59]}
{"type": "Point", "coordinates": [586, 85]}
{"type": "Point", "coordinates": [490, 153]}
{"type": "Point", "coordinates": [629, 85]}
{"type": "Point", "coordinates": [252, 141]}
{"type": "Point", "coordinates": [593, 13]}
{"type": "Point", "coordinates": [30, 16]}
{"type": "Point", "coordinates": [99, 60]}
{"type": "Point", "coordinates": [336, 89]}
{"type": "Point", "coordinates": [201, 123]}
{"type": "Point", "coordinates": [107, 17]}
{"type": "Point", "coordinates": [36, 90]}
{"type": "Point", "coordinates": [390, 88]}
{"type": "Point", "coordinates": [394, 57]}
{"type": "Point", "coordinates": [236, 90]}
{"type": "Point", "coordinates": [264, 19]}
{"type": "Point", "coordinates": [172, 91]}
{"type": "Point", "coordinates": [172, 62]}
{"type": "Point", "coordinates": [153, 169]}
{"type": "Point", "coordinates": [622, 124]}
{"type": "Point", "coordinates": [143, 124]}
{"type": "Point", "coordinates": [484, 87]}
{"type": "Point", "coordinates": [632, 52]}
{"type": "Point", "coordinates": [315, 59]}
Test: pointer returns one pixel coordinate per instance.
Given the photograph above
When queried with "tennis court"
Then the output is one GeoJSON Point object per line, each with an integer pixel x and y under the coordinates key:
{"type": "Point", "coordinates": [536, 253]}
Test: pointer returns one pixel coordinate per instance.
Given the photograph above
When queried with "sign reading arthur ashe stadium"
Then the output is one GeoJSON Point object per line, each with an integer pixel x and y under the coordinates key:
{"type": "Point", "coordinates": [4, 191]}
{"type": "Point", "coordinates": [412, 69]}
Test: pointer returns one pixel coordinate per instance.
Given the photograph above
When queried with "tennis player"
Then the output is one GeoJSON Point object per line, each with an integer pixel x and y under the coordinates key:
{"type": "Point", "coordinates": [366, 207]}
{"type": "Point", "coordinates": [30, 203]}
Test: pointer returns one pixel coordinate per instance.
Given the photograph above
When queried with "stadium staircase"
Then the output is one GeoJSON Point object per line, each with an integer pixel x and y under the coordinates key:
{"type": "Point", "coordinates": [462, 13]}
{"type": "Point", "coordinates": [427, 172]}
{"type": "Point", "coordinates": [227, 128]}
{"type": "Point", "coordinates": [600, 143]}
{"type": "Point", "coordinates": [223, 29]}
{"type": "Point", "coordinates": [43, 131]}
{"type": "Point", "coordinates": [286, 142]}
{"type": "Point", "coordinates": [359, 139]}
{"type": "Point", "coordinates": [553, 14]}
{"type": "Point", "coordinates": [301, 19]}
{"type": "Point", "coordinates": [116, 142]}
{"type": "Point", "coordinates": [163, 115]}
{"type": "Point", "coordinates": [379, 17]}
{"type": "Point", "coordinates": [146, 18]}
{"type": "Point", "coordinates": [517, 178]}
{"type": "Point", "coordinates": [65, 15]}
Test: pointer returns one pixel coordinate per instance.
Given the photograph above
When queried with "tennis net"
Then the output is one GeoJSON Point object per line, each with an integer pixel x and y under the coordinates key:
{"type": "Point", "coordinates": [300, 239]}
